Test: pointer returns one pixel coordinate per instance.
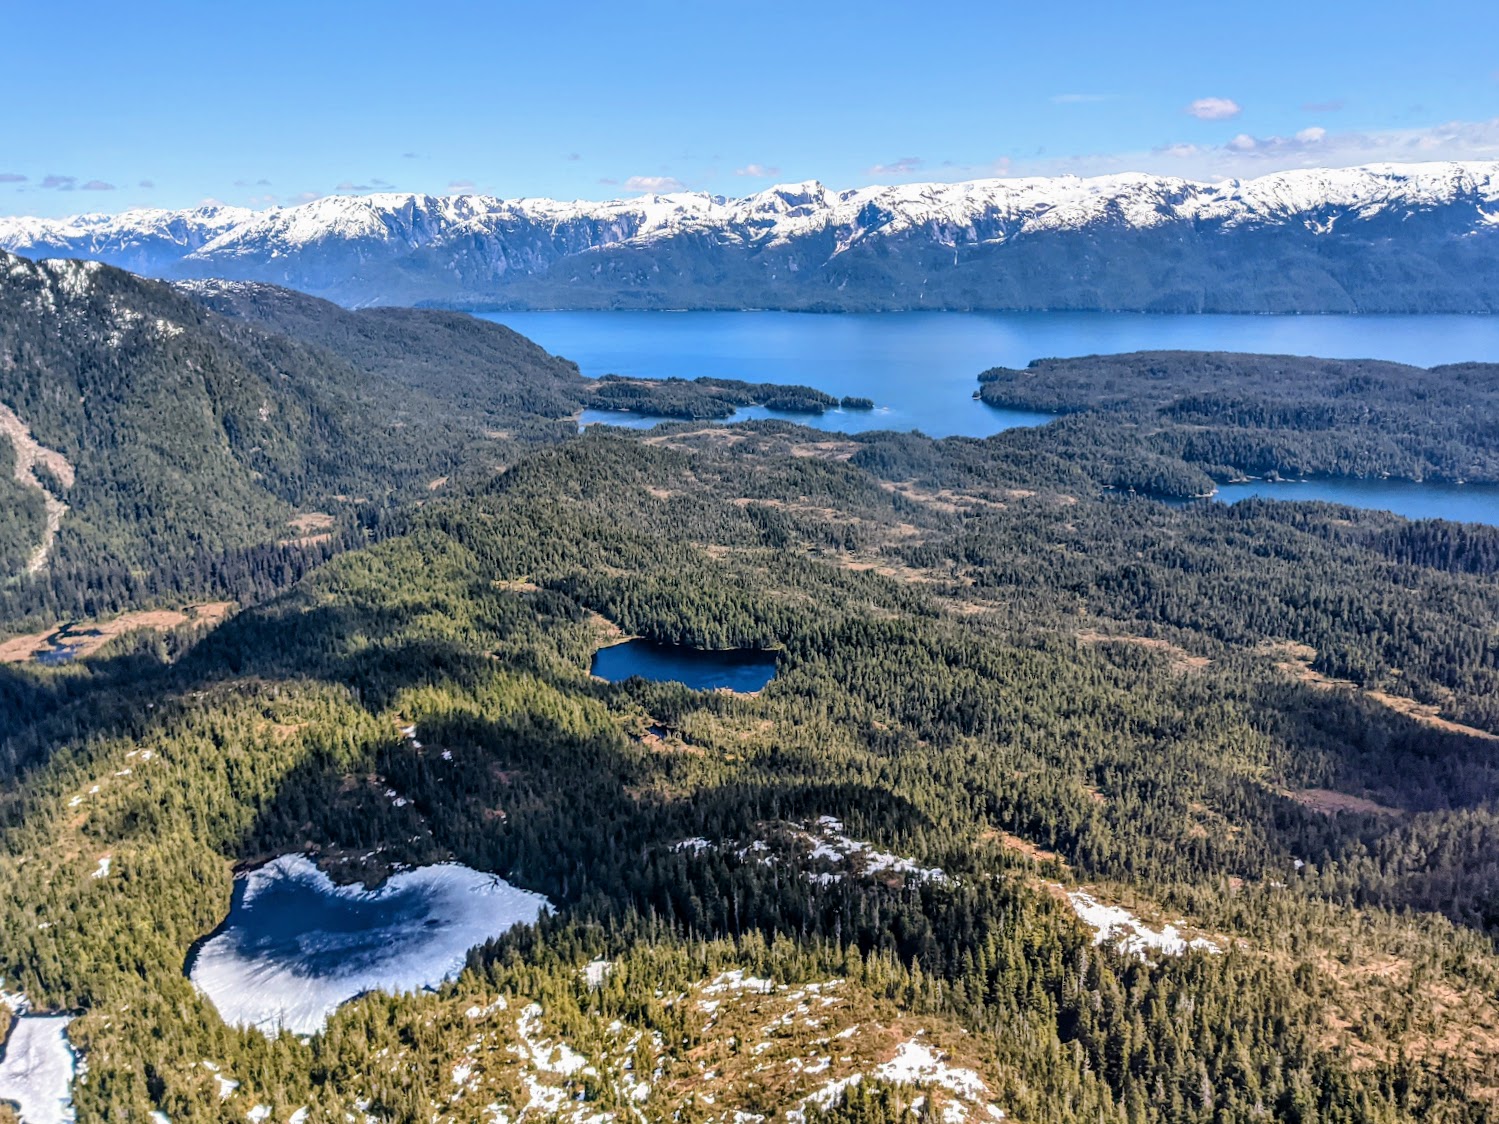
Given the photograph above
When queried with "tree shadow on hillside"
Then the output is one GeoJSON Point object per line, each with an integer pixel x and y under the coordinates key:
{"type": "Point", "coordinates": [576, 816]}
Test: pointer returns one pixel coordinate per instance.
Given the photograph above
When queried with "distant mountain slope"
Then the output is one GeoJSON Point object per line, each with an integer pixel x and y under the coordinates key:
{"type": "Point", "coordinates": [171, 431]}
{"type": "Point", "coordinates": [1386, 238]}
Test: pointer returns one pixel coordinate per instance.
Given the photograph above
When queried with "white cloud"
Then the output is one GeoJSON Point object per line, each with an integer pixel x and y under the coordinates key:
{"type": "Point", "coordinates": [654, 184]}
{"type": "Point", "coordinates": [97, 185]}
{"type": "Point", "coordinates": [460, 186]}
{"type": "Point", "coordinates": [902, 167]}
{"type": "Point", "coordinates": [1214, 109]}
{"type": "Point", "coordinates": [1245, 155]}
{"type": "Point", "coordinates": [758, 171]}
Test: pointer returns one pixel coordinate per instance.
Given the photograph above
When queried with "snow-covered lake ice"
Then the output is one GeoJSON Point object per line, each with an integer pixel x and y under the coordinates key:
{"type": "Point", "coordinates": [36, 1071]}
{"type": "Point", "coordinates": [296, 946]}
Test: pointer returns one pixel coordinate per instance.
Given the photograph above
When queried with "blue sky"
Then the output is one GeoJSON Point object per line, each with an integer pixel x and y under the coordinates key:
{"type": "Point", "coordinates": [113, 105]}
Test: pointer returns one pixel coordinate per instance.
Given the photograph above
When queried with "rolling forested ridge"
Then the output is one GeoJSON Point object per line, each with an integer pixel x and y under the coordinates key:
{"type": "Point", "coordinates": [1065, 802]}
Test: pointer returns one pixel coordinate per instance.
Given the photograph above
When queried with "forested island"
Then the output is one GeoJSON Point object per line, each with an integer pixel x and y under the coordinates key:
{"type": "Point", "coordinates": [1228, 415]}
{"type": "Point", "coordinates": [703, 398]}
{"type": "Point", "coordinates": [1063, 803]}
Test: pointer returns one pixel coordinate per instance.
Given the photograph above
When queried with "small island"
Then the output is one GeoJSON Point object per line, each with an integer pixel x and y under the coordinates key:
{"type": "Point", "coordinates": [703, 399]}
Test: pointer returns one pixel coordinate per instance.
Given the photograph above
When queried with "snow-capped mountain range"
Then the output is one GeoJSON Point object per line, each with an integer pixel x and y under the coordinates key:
{"type": "Point", "coordinates": [1387, 237]}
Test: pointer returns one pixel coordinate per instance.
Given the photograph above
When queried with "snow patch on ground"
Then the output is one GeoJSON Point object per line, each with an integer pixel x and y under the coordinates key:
{"type": "Point", "coordinates": [833, 845]}
{"type": "Point", "coordinates": [560, 1058]}
{"type": "Point", "coordinates": [737, 981]}
{"type": "Point", "coordinates": [412, 933]}
{"type": "Point", "coordinates": [822, 842]}
{"type": "Point", "coordinates": [1122, 930]}
{"type": "Point", "coordinates": [914, 1063]}
{"type": "Point", "coordinates": [37, 1069]}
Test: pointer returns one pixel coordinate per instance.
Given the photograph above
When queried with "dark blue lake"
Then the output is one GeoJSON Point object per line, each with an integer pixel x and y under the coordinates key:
{"type": "Point", "coordinates": [742, 669]}
{"type": "Point", "coordinates": [921, 368]}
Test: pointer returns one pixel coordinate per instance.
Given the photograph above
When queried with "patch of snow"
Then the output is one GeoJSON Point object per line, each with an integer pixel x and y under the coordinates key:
{"type": "Point", "coordinates": [560, 1059]}
{"type": "Point", "coordinates": [834, 846]}
{"type": "Point", "coordinates": [102, 869]}
{"type": "Point", "coordinates": [258, 1113]}
{"type": "Point", "coordinates": [736, 980]}
{"type": "Point", "coordinates": [73, 277]}
{"type": "Point", "coordinates": [422, 924]}
{"type": "Point", "coordinates": [914, 1063]}
{"type": "Point", "coordinates": [15, 1001]}
{"type": "Point", "coordinates": [1119, 928]}
{"type": "Point", "coordinates": [825, 842]}
{"type": "Point", "coordinates": [37, 1069]}
{"type": "Point", "coordinates": [595, 972]}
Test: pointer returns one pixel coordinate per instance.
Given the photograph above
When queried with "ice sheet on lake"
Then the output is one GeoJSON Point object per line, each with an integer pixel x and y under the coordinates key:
{"type": "Point", "coordinates": [297, 946]}
{"type": "Point", "coordinates": [37, 1069]}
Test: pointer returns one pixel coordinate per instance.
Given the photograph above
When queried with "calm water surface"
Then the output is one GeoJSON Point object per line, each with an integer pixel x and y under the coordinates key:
{"type": "Point", "coordinates": [702, 670]}
{"type": "Point", "coordinates": [921, 368]}
{"type": "Point", "coordinates": [1466, 503]}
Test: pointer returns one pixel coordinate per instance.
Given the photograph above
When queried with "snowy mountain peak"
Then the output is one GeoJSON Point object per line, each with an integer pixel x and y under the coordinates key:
{"type": "Point", "coordinates": [402, 247]}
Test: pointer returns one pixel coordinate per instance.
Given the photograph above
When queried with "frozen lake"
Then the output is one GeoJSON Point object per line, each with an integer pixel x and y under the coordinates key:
{"type": "Point", "coordinates": [37, 1068]}
{"type": "Point", "coordinates": [296, 946]}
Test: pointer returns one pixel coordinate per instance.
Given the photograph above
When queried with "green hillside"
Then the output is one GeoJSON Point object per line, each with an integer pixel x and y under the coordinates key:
{"type": "Point", "coordinates": [193, 437]}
